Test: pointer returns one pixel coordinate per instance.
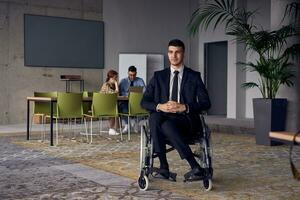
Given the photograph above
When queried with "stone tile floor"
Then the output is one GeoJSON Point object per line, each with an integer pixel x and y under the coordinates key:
{"type": "Point", "coordinates": [27, 173]}
{"type": "Point", "coordinates": [108, 169]}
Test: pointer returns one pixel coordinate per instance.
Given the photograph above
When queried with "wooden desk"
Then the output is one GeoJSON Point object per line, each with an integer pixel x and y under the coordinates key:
{"type": "Point", "coordinates": [51, 100]}
{"type": "Point", "coordinates": [284, 136]}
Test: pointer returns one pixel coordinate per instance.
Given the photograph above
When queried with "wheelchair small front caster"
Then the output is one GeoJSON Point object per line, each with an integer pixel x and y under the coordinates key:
{"type": "Point", "coordinates": [207, 183]}
{"type": "Point", "coordinates": [143, 183]}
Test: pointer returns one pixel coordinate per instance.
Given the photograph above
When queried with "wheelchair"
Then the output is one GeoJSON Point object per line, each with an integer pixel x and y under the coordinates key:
{"type": "Point", "coordinates": [202, 153]}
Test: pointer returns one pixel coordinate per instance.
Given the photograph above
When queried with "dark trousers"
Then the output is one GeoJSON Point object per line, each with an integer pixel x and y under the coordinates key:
{"type": "Point", "coordinates": [123, 108]}
{"type": "Point", "coordinates": [172, 127]}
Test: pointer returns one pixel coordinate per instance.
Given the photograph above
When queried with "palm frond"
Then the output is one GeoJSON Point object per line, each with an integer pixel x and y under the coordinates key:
{"type": "Point", "coordinates": [292, 10]}
{"type": "Point", "coordinates": [279, 37]}
{"type": "Point", "coordinates": [292, 51]}
{"type": "Point", "coordinates": [216, 10]}
{"type": "Point", "coordinates": [249, 85]}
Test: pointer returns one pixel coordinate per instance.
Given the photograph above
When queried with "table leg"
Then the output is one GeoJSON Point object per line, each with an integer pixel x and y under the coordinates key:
{"type": "Point", "coordinates": [28, 118]}
{"type": "Point", "coordinates": [81, 85]}
{"type": "Point", "coordinates": [51, 123]}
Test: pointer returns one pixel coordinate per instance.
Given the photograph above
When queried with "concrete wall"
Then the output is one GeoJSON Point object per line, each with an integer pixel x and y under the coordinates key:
{"type": "Point", "coordinates": [263, 19]}
{"type": "Point", "coordinates": [143, 26]}
{"type": "Point", "coordinates": [241, 56]}
{"type": "Point", "coordinates": [18, 81]}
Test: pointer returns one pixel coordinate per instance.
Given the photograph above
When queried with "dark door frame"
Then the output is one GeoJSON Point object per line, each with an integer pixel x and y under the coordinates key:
{"type": "Point", "coordinates": [205, 77]}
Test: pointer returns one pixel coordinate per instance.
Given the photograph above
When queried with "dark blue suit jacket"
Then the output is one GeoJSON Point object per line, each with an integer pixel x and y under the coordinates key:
{"type": "Point", "coordinates": [192, 92]}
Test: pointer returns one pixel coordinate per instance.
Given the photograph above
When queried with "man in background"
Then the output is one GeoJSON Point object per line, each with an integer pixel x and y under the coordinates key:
{"type": "Point", "coordinates": [131, 81]}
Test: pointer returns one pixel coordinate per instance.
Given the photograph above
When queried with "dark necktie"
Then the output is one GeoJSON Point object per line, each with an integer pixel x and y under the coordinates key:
{"type": "Point", "coordinates": [175, 87]}
{"type": "Point", "coordinates": [131, 83]}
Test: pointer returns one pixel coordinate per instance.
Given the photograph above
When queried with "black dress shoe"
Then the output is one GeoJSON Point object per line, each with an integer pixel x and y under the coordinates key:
{"type": "Point", "coordinates": [194, 174]}
{"type": "Point", "coordinates": [164, 173]}
{"type": "Point", "coordinates": [161, 173]}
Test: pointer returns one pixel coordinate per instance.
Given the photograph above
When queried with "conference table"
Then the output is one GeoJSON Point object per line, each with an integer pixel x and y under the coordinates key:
{"type": "Point", "coordinates": [51, 101]}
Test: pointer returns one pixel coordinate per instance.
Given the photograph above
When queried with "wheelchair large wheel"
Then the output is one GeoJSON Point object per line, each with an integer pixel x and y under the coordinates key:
{"type": "Point", "coordinates": [207, 183]}
{"type": "Point", "coordinates": [143, 183]}
{"type": "Point", "coordinates": [143, 149]}
{"type": "Point", "coordinates": [207, 158]}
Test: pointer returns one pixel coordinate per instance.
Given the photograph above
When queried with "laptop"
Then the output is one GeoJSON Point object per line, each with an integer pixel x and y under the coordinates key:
{"type": "Point", "coordinates": [136, 89]}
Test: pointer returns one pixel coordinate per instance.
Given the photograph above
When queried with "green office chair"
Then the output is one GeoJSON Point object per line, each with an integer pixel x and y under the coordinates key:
{"type": "Point", "coordinates": [42, 109]}
{"type": "Point", "coordinates": [69, 106]}
{"type": "Point", "coordinates": [103, 106]}
{"type": "Point", "coordinates": [134, 108]}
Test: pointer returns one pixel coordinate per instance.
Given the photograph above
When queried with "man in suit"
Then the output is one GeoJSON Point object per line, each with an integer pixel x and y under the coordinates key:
{"type": "Point", "coordinates": [175, 97]}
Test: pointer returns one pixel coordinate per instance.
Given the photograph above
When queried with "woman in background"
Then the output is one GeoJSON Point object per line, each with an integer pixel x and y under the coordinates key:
{"type": "Point", "coordinates": [111, 86]}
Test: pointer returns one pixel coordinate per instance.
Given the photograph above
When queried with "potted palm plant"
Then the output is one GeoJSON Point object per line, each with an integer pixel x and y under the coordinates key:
{"type": "Point", "coordinates": [273, 52]}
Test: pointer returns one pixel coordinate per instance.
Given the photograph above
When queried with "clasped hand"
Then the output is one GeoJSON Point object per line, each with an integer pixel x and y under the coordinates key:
{"type": "Point", "coordinates": [172, 107]}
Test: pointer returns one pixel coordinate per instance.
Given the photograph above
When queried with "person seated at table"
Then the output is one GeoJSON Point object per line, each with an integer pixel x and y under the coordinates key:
{"type": "Point", "coordinates": [111, 86]}
{"type": "Point", "coordinates": [131, 81]}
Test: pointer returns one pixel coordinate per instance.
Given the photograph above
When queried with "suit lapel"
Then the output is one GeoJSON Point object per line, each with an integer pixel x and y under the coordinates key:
{"type": "Point", "coordinates": [182, 86]}
{"type": "Point", "coordinates": [166, 79]}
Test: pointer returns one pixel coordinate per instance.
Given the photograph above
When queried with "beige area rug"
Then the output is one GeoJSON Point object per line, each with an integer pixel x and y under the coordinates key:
{"type": "Point", "coordinates": [242, 169]}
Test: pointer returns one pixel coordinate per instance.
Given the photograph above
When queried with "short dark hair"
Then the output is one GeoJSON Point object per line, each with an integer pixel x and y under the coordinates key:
{"type": "Point", "coordinates": [132, 69]}
{"type": "Point", "coordinates": [177, 43]}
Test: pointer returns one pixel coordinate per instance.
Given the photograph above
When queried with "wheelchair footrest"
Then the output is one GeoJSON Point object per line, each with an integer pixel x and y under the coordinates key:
{"type": "Point", "coordinates": [163, 174]}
